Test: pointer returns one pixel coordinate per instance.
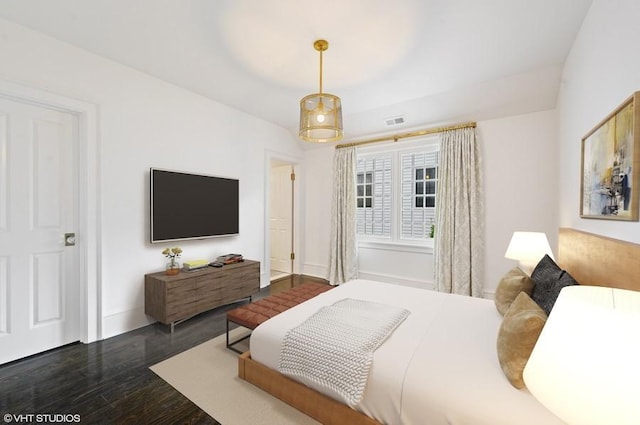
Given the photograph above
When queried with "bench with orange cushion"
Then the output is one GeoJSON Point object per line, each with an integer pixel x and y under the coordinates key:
{"type": "Point", "coordinates": [252, 314]}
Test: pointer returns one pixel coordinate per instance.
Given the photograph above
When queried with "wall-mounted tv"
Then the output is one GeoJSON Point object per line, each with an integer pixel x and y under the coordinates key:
{"type": "Point", "coordinates": [192, 206]}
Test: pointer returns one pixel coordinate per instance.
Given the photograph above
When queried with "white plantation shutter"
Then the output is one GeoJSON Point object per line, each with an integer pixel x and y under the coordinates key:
{"type": "Point", "coordinates": [396, 193]}
{"type": "Point", "coordinates": [416, 220]}
{"type": "Point", "coordinates": [376, 219]}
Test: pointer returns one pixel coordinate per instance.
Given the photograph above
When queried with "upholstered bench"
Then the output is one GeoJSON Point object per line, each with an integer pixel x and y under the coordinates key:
{"type": "Point", "coordinates": [252, 314]}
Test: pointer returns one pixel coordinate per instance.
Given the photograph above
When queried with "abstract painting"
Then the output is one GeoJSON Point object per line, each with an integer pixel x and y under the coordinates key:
{"type": "Point", "coordinates": [610, 157]}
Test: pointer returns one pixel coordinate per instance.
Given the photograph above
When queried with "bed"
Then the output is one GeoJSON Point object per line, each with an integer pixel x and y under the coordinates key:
{"type": "Point", "coordinates": [439, 366]}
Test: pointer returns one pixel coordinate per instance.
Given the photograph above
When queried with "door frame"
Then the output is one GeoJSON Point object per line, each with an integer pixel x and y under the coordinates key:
{"type": "Point", "coordinates": [87, 163]}
{"type": "Point", "coordinates": [297, 216]}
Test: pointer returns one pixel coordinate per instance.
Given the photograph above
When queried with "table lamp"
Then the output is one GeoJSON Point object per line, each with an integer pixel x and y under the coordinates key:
{"type": "Point", "coordinates": [585, 366]}
{"type": "Point", "coordinates": [528, 248]}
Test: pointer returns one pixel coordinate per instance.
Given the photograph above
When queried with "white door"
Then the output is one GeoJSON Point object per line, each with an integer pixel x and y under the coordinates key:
{"type": "Point", "coordinates": [281, 218]}
{"type": "Point", "coordinates": [39, 300]}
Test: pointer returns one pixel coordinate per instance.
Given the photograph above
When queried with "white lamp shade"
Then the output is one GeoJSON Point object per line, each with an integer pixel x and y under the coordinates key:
{"type": "Point", "coordinates": [528, 248]}
{"type": "Point", "coordinates": [585, 367]}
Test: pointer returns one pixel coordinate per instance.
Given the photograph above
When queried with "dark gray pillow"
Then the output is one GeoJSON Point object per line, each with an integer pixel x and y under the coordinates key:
{"type": "Point", "coordinates": [549, 279]}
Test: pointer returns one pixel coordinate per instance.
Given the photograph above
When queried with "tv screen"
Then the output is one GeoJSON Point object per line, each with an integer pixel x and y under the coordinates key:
{"type": "Point", "coordinates": [192, 206]}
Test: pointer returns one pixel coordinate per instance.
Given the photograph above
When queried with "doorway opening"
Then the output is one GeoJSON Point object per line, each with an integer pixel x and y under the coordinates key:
{"type": "Point", "coordinates": [281, 219]}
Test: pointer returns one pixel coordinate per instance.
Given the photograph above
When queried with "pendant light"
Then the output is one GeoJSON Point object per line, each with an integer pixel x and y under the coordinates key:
{"type": "Point", "coordinates": [320, 113]}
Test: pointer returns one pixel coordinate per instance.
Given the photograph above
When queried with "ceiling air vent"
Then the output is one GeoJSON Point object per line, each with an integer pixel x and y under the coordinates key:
{"type": "Point", "coordinates": [394, 121]}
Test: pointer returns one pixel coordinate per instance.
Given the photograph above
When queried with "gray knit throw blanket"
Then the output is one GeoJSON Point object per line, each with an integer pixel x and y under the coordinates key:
{"type": "Point", "coordinates": [333, 349]}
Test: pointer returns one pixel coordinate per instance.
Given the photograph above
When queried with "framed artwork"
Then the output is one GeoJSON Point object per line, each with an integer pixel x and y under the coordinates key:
{"type": "Point", "coordinates": [610, 161]}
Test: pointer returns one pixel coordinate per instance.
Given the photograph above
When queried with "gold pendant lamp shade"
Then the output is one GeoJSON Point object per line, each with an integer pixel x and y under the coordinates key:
{"type": "Point", "coordinates": [320, 113]}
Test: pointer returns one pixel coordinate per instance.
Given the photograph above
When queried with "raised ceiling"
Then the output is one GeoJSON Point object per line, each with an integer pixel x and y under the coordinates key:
{"type": "Point", "coordinates": [431, 61]}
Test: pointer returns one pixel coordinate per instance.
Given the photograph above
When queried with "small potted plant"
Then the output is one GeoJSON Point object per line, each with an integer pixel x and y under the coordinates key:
{"type": "Point", "coordinates": [173, 266]}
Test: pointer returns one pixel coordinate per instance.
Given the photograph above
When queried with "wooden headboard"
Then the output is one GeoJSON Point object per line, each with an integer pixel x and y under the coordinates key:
{"type": "Point", "coordinates": [598, 260]}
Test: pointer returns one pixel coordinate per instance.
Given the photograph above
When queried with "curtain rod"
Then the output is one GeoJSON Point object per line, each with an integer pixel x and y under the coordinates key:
{"type": "Point", "coordinates": [397, 137]}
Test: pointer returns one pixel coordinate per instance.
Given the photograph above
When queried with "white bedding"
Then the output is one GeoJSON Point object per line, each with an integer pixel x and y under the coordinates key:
{"type": "Point", "coordinates": [439, 366]}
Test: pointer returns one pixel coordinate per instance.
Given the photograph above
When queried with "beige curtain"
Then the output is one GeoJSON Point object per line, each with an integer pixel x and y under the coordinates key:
{"type": "Point", "coordinates": [459, 236]}
{"type": "Point", "coordinates": [343, 262]}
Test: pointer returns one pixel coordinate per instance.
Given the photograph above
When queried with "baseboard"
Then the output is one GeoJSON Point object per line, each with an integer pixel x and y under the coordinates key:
{"type": "Point", "coordinates": [320, 271]}
{"type": "Point", "coordinates": [316, 270]}
{"type": "Point", "coordinates": [119, 323]}
{"type": "Point", "coordinates": [298, 278]}
{"type": "Point", "coordinates": [314, 278]}
{"type": "Point", "coordinates": [265, 279]}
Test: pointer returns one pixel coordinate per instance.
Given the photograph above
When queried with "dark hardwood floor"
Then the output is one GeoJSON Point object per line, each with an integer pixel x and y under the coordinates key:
{"type": "Point", "coordinates": [109, 381]}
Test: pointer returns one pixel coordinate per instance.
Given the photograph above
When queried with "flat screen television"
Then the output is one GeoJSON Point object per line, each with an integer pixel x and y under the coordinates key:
{"type": "Point", "coordinates": [192, 206]}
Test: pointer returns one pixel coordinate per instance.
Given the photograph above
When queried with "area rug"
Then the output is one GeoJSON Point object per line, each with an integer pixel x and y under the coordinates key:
{"type": "Point", "coordinates": [208, 376]}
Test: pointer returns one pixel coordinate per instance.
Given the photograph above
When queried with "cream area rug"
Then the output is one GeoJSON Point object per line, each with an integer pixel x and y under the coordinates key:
{"type": "Point", "coordinates": [208, 376]}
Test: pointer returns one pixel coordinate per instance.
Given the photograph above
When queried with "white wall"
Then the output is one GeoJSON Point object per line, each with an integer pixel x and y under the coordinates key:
{"type": "Point", "coordinates": [144, 122]}
{"type": "Point", "coordinates": [318, 175]}
{"type": "Point", "coordinates": [520, 180]}
{"type": "Point", "coordinates": [602, 70]}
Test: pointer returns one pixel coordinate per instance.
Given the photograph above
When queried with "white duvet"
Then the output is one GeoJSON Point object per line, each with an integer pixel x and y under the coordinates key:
{"type": "Point", "coordinates": [439, 366]}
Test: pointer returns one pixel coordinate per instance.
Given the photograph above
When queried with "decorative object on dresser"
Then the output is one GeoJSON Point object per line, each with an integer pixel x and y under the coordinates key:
{"type": "Point", "coordinates": [173, 266]}
{"type": "Point", "coordinates": [610, 160]}
{"type": "Point", "coordinates": [195, 264]}
{"type": "Point", "coordinates": [230, 259]}
{"type": "Point", "coordinates": [173, 299]}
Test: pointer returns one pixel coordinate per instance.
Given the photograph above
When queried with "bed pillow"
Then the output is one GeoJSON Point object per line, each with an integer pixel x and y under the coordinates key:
{"type": "Point", "coordinates": [511, 284]}
{"type": "Point", "coordinates": [549, 279]}
{"type": "Point", "coordinates": [518, 334]}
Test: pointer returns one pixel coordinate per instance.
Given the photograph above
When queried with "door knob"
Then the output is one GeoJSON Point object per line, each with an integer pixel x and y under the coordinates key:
{"type": "Point", "coordinates": [69, 239]}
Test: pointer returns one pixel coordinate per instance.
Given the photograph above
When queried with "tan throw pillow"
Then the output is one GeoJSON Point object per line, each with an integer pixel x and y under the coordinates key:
{"type": "Point", "coordinates": [514, 282]}
{"type": "Point", "coordinates": [519, 332]}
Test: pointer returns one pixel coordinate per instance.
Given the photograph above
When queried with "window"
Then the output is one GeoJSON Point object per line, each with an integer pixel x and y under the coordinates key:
{"type": "Point", "coordinates": [425, 187]}
{"type": "Point", "coordinates": [396, 192]}
{"type": "Point", "coordinates": [364, 190]}
{"type": "Point", "coordinates": [419, 181]}
{"type": "Point", "coordinates": [373, 196]}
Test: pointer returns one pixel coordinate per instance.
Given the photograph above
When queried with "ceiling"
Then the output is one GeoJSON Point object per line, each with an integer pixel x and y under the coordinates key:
{"type": "Point", "coordinates": [430, 61]}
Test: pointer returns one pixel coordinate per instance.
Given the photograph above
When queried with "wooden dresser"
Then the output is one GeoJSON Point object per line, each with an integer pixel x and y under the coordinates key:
{"type": "Point", "coordinates": [172, 299]}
